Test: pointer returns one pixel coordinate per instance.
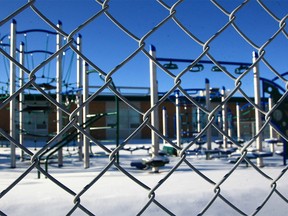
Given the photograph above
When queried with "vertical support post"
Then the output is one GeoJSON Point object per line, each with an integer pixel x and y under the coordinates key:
{"type": "Point", "coordinates": [238, 121]}
{"type": "Point", "coordinates": [208, 107]}
{"type": "Point", "coordinates": [21, 100]}
{"type": "Point", "coordinates": [198, 120]}
{"type": "Point", "coordinates": [178, 118]}
{"type": "Point", "coordinates": [229, 125]}
{"type": "Point", "coordinates": [164, 124]}
{"type": "Point", "coordinates": [12, 90]}
{"type": "Point", "coordinates": [270, 105]}
{"type": "Point", "coordinates": [59, 90]}
{"type": "Point", "coordinates": [153, 101]}
{"type": "Point", "coordinates": [285, 143]}
{"type": "Point", "coordinates": [271, 130]}
{"type": "Point", "coordinates": [219, 121]}
{"type": "Point", "coordinates": [79, 95]}
{"type": "Point", "coordinates": [117, 127]}
{"type": "Point", "coordinates": [86, 141]}
{"type": "Point", "coordinates": [224, 118]}
{"type": "Point", "coordinates": [258, 103]}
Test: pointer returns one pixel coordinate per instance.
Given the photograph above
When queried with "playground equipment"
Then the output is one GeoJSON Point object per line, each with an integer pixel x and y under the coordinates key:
{"type": "Point", "coordinates": [189, 119]}
{"type": "Point", "coordinates": [278, 119]}
{"type": "Point", "coordinates": [155, 159]}
{"type": "Point", "coordinates": [194, 66]}
{"type": "Point", "coordinates": [197, 66]}
{"type": "Point", "coordinates": [83, 86]}
{"type": "Point", "coordinates": [154, 101]}
{"type": "Point", "coordinates": [69, 137]}
{"type": "Point", "coordinates": [279, 116]}
{"type": "Point", "coordinates": [44, 83]}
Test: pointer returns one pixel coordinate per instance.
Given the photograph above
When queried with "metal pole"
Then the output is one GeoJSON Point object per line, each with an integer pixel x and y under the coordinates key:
{"type": "Point", "coordinates": [12, 90]}
{"type": "Point", "coordinates": [238, 121]}
{"type": "Point", "coordinates": [208, 104]}
{"type": "Point", "coordinates": [198, 120]}
{"type": "Point", "coordinates": [164, 119]}
{"type": "Point", "coordinates": [258, 103]}
{"type": "Point", "coordinates": [271, 131]}
{"type": "Point", "coordinates": [219, 121]}
{"type": "Point", "coordinates": [224, 118]}
{"type": "Point", "coordinates": [79, 96]}
{"type": "Point", "coordinates": [21, 100]}
{"type": "Point", "coordinates": [270, 105]}
{"type": "Point", "coordinates": [153, 101]}
{"type": "Point", "coordinates": [117, 127]}
{"type": "Point", "coordinates": [86, 141]}
{"type": "Point", "coordinates": [178, 119]}
{"type": "Point", "coordinates": [59, 90]}
{"type": "Point", "coordinates": [284, 151]}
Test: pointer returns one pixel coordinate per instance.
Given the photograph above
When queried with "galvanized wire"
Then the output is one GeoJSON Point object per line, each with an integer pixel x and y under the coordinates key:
{"type": "Point", "coordinates": [108, 76]}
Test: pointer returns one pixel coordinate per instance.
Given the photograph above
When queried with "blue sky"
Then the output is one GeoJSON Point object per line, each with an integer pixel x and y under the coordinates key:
{"type": "Point", "coordinates": [107, 46]}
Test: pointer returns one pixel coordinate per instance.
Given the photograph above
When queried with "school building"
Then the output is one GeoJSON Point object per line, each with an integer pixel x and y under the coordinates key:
{"type": "Point", "coordinates": [39, 116]}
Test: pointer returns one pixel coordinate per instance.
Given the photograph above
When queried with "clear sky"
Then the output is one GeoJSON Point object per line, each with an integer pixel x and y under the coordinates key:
{"type": "Point", "coordinates": [107, 46]}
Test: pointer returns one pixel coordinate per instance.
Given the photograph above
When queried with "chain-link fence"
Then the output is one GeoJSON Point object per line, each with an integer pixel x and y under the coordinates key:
{"type": "Point", "coordinates": [171, 17]}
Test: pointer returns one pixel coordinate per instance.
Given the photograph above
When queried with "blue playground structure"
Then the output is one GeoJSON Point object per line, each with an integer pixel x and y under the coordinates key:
{"type": "Point", "coordinates": [280, 115]}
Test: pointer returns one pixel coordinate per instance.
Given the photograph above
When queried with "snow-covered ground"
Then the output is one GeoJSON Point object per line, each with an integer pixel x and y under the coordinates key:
{"type": "Point", "coordinates": [183, 193]}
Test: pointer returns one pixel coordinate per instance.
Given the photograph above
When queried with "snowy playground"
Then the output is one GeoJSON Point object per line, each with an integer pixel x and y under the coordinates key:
{"type": "Point", "coordinates": [113, 192]}
{"type": "Point", "coordinates": [178, 113]}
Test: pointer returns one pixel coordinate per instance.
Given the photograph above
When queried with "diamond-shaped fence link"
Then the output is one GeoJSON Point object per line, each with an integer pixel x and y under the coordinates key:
{"type": "Point", "coordinates": [74, 122]}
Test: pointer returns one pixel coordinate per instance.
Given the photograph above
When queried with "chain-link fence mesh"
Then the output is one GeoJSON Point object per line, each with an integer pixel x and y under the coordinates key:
{"type": "Point", "coordinates": [73, 122]}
